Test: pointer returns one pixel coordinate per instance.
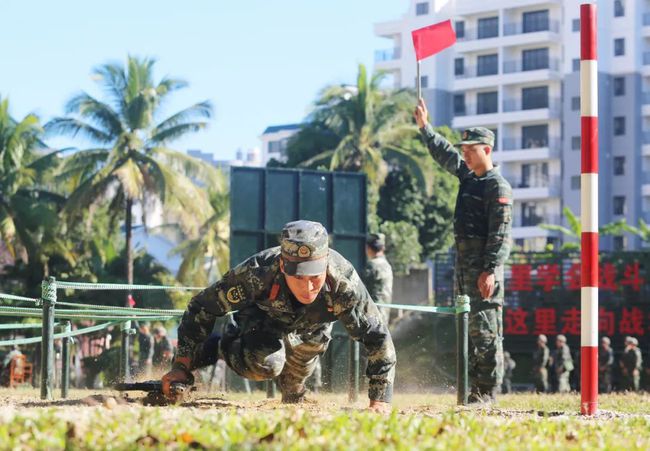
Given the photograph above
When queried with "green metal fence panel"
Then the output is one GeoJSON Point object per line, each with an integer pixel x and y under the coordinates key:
{"type": "Point", "coordinates": [263, 200]}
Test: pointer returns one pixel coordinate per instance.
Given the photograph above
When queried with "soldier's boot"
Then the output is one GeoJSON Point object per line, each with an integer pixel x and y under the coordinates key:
{"type": "Point", "coordinates": [482, 395]}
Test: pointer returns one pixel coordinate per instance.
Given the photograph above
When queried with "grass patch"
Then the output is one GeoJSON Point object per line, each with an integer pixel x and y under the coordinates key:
{"type": "Point", "coordinates": [522, 421]}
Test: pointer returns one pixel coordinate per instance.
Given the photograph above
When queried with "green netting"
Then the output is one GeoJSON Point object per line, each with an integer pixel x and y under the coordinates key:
{"type": "Point", "coordinates": [85, 330]}
{"type": "Point", "coordinates": [120, 286]}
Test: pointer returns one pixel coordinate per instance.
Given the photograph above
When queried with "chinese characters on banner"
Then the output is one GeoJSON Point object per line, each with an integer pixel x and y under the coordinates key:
{"type": "Point", "coordinates": [549, 277]}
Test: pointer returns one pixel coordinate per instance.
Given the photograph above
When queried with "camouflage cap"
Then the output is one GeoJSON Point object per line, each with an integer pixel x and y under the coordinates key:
{"type": "Point", "coordinates": [477, 135]}
{"type": "Point", "coordinates": [606, 340]}
{"type": "Point", "coordinates": [629, 340]}
{"type": "Point", "coordinates": [542, 338]}
{"type": "Point", "coordinates": [561, 338]}
{"type": "Point", "coordinates": [304, 246]}
{"type": "Point", "coordinates": [376, 240]}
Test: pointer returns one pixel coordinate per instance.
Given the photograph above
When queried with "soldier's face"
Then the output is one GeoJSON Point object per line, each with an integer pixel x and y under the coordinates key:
{"type": "Point", "coordinates": [475, 155]}
{"type": "Point", "coordinates": [304, 288]}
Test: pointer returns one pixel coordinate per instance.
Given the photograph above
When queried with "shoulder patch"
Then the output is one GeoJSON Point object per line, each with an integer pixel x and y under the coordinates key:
{"type": "Point", "coordinates": [235, 294]}
{"type": "Point", "coordinates": [503, 200]}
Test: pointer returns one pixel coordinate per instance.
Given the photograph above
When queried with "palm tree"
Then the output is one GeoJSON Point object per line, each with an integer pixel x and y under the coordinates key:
{"type": "Point", "coordinates": [211, 241]}
{"type": "Point", "coordinates": [370, 126]}
{"type": "Point", "coordinates": [130, 162]}
{"type": "Point", "coordinates": [28, 210]}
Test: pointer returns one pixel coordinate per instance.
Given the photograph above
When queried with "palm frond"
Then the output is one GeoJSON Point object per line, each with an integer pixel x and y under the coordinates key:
{"type": "Point", "coordinates": [75, 127]}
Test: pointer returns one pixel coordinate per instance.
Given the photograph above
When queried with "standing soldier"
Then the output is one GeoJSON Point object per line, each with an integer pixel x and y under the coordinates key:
{"type": "Point", "coordinates": [482, 230]}
{"type": "Point", "coordinates": [378, 276]}
{"type": "Point", "coordinates": [631, 364]}
{"type": "Point", "coordinates": [285, 300]}
{"type": "Point", "coordinates": [541, 357]}
{"type": "Point", "coordinates": [145, 355]}
{"type": "Point", "coordinates": [605, 365]}
{"type": "Point", "coordinates": [562, 364]}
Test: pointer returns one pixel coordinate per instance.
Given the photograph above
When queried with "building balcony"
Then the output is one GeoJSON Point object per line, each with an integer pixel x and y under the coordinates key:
{"type": "Point", "coordinates": [645, 30]}
{"type": "Point", "coordinates": [518, 149]}
{"type": "Point", "coordinates": [535, 188]}
{"type": "Point", "coordinates": [475, 71]}
{"type": "Point", "coordinates": [535, 220]}
{"type": "Point", "coordinates": [645, 187]}
{"type": "Point", "coordinates": [388, 55]}
{"type": "Point", "coordinates": [515, 66]}
{"type": "Point", "coordinates": [517, 28]}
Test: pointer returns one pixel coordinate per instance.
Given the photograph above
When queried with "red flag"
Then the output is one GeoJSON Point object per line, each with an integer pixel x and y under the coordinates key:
{"type": "Point", "coordinates": [131, 301]}
{"type": "Point", "coordinates": [433, 39]}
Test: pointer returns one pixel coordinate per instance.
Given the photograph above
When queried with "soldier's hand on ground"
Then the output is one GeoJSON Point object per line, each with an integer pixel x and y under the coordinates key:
{"type": "Point", "coordinates": [176, 375]}
{"type": "Point", "coordinates": [486, 283]}
{"type": "Point", "coordinates": [379, 407]}
{"type": "Point", "coordinates": [421, 114]}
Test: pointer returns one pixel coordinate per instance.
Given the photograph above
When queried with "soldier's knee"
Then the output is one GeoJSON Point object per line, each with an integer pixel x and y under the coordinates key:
{"type": "Point", "coordinates": [268, 367]}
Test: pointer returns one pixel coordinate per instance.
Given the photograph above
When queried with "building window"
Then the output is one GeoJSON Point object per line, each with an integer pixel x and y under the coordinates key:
{"type": "Point", "coordinates": [460, 29]}
{"type": "Point", "coordinates": [459, 104]}
{"type": "Point", "coordinates": [619, 46]}
{"type": "Point", "coordinates": [535, 59]}
{"type": "Point", "coordinates": [536, 21]}
{"type": "Point", "coordinates": [496, 138]}
{"type": "Point", "coordinates": [619, 8]}
{"type": "Point", "coordinates": [533, 98]}
{"type": "Point", "coordinates": [575, 25]}
{"type": "Point", "coordinates": [619, 205]}
{"type": "Point", "coordinates": [488, 27]}
{"type": "Point", "coordinates": [619, 86]}
{"type": "Point", "coordinates": [619, 125]}
{"type": "Point", "coordinates": [575, 182]}
{"type": "Point", "coordinates": [575, 143]}
{"type": "Point", "coordinates": [619, 243]}
{"type": "Point", "coordinates": [487, 102]}
{"type": "Point", "coordinates": [576, 64]}
{"type": "Point", "coordinates": [534, 136]}
{"type": "Point", "coordinates": [619, 165]}
{"type": "Point", "coordinates": [422, 9]}
{"type": "Point", "coordinates": [529, 215]}
{"type": "Point", "coordinates": [459, 66]}
{"type": "Point", "coordinates": [575, 103]}
{"type": "Point", "coordinates": [487, 65]}
{"type": "Point", "coordinates": [424, 81]}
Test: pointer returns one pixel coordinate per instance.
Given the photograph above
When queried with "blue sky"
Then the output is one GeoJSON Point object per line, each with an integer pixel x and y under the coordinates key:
{"type": "Point", "coordinates": [261, 62]}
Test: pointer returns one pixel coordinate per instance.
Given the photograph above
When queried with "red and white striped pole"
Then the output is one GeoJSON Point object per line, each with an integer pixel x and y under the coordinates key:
{"type": "Point", "coordinates": [589, 209]}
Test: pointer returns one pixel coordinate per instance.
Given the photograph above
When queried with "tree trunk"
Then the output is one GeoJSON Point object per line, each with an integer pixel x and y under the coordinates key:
{"type": "Point", "coordinates": [128, 230]}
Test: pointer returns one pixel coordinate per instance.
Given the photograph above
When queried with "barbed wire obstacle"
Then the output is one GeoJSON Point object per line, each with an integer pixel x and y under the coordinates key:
{"type": "Point", "coordinates": [113, 316]}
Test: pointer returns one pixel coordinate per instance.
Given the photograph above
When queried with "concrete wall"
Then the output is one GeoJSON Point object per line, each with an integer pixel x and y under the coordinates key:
{"type": "Point", "coordinates": [416, 288]}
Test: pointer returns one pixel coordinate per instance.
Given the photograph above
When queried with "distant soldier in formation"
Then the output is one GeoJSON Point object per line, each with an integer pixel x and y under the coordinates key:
{"type": "Point", "coordinates": [163, 351]}
{"type": "Point", "coordinates": [541, 358]}
{"type": "Point", "coordinates": [562, 364]}
{"type": "Point", "coordinates": [146, 345]}
{"type": "Point", "coordinates": [378, 275]}
{"type": "Point", "coordinates": [631, 364]}
{"type": "Point", "coordinates": [508, 367]}
{"type": "Point", "coordinates": [605, 365]}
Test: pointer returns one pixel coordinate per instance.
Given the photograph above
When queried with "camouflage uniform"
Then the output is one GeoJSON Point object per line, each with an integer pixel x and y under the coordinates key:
{"type": "Point", "coordinates": [271, 334]}
{"type": "Point", "coordinates": [378, 276]}
{"type": "Point", "coordinates": [605, 366]}
{"type": "Point", "coordinates": [541, 358]}
{"type": "Point", "coordinates": [562, 364]}
{"type": "Point", "coordinates": [632, 364]}
{"type": "Point", "coordinates": [482, 230]}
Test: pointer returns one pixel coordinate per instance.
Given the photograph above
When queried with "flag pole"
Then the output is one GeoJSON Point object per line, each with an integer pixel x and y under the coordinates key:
{"type": "Point", "coordinates": [418, 82]}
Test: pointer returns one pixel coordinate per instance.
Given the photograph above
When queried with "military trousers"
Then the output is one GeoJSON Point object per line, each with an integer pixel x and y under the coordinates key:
{"type": "Point", "coordinates": [261, 353]}
{"type": "Point", "coordinates": [541, 380]}
{"type": "Point", "coordinates": [485, 318]}
{"type": "Point", "coordinates": [563, 385]}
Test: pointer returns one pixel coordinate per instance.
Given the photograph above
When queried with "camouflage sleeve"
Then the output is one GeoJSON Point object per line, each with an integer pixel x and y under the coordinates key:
{"type": "Point", "coordinates": [639, 359]}
{"type": "Point", "coordinates": [568, 360]}
{"type": "Point", "coordinates": [610, 358]}
{"type": "Point", "coordinates": [363, 321]}
{"type": "Point", "coordinates": [497, 247]}
{"type": "Point", "coordinates": [444, 152]}
{"type": "Point", "coordinates": [236, 289]}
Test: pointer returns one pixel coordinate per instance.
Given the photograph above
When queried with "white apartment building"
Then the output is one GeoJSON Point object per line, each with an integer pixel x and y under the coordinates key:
{"type": "Point", "coordinates": [515, 69]}
{"type": "Point", "coordinates": [274, 141]}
